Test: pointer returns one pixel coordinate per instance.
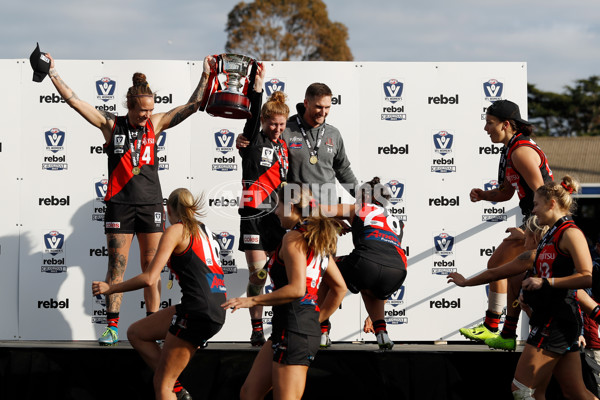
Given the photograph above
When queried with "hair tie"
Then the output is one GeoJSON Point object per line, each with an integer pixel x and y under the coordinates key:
{"type": "Point", "coordinates": [567, 188]}
{"type": "Point", "coordinates": [312, 203]}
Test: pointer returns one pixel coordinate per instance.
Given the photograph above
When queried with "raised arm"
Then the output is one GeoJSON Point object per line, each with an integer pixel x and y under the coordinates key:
{"type": "Point", "coordinates": [100, 119]}
{"type": "Point", "coordinates": [178, 114]}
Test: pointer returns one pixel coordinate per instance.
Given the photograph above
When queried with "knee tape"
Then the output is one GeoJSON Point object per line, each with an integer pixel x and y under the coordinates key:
{"type": "Point", "coordinates": [256, 270]}
{"type": "Point", "coordinates": [523, 392]}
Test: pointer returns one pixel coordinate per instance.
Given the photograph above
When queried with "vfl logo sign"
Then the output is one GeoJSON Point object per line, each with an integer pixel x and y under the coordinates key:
{"type": "Point", "coordinates": [53, 242]}
{"type": "Point", "coordinates": [55, 139]}
{"type": "Point", "coordinates": [397, 297]}
{"type": "Point", "coordinates": [105, 88]}
{"type": "Point", "coordinates": [444, 244]}
{"type": "Point", "coordinates": [226, 241]}
{"type": "Point", "coordinates": [274, 85]}
{"type": "Point", "coordinates": [224, 140]}
{"type": "Point", "coordinates": [443, 142]}
{"type": "Point", "coordinates": [397, 191]}
{"type": "Point", "coordinates": [492, 89]}
{"type": "Point", "coordinates": [161, 141]}
{"type": "Point", "coordinates": [100, 187]}
{"type": "Point", "coordinates": [392, 90]}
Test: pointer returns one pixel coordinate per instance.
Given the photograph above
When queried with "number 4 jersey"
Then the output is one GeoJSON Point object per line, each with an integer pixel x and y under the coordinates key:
{"type": "Point", "coordinates": [123, 185]}
{"type": "Point", "coordinates": [377, 236]}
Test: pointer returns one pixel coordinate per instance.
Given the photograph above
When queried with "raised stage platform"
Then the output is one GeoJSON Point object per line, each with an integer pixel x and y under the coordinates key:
{"type": "Point", "coordinates": [84, 370]}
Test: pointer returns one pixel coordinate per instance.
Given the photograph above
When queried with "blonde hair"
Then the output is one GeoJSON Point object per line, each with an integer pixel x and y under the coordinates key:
{"type": "Point", "coordinates": [321, 232]}
{"type": "Point", "coordinates": [532, 224]}
{"type": "Point", "coordinates": [275, 106]}
{"type": "Point", "coordinates": [140, 88]}
{"type": "Point", "coordinates": [188, 209]}
{"type": "Point", "coordinates": [561, 192]}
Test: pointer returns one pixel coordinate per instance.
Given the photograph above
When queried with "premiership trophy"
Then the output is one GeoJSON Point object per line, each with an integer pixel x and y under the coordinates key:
{"type": "Point", "coordinates": [228, 84]}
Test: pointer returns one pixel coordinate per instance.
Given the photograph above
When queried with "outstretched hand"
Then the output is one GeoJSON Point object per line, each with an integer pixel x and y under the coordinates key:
{"type": "Point", "coordinates": [457, 278]}
{"type": "Point", "coordinates": [238, 302]}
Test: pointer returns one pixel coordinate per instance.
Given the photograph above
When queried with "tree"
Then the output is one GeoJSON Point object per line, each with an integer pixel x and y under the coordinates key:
{"type": "Point", "coordinates": [285, 30]}
{"type": "Point", "coordinates": [576, 112]}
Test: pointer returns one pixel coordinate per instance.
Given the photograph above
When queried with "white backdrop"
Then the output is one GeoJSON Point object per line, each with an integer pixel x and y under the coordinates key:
{"type": "Point", "coordinates": [418, 126]}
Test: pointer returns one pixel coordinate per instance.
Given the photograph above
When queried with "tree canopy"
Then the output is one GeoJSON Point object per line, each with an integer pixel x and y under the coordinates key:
{"type": "Point", "coordinates": [576, 112]}
{"type": "Point", "coordinates": [286, 30]}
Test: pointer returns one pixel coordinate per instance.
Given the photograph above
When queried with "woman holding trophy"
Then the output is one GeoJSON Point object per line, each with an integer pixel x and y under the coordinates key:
{"type": "Point", "coordinates": [264, 169]}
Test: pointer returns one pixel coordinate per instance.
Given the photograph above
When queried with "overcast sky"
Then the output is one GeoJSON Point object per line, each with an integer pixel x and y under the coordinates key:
{"type": "Point", "coordinates": [559, 40]}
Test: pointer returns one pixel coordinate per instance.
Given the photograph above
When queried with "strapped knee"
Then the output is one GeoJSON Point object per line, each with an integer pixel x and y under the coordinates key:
{"type": "Point", "coordinates": [257, 274]}
{"type": "Point", "coordinates": [523, 392]}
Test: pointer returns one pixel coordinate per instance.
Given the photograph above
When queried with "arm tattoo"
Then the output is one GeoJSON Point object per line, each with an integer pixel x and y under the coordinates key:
{"type": "Point", "coordinates": [199, 92]}
{"type": "Point", "coordinates": [525, 256]}
{"type": "Point", "coordinates": [107, 115]}
{"type": "Point", "coordinates": [180, 115]}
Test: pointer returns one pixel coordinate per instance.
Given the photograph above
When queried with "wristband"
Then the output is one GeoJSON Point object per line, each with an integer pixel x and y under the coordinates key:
{"type": "Point", "coordinates": [595, 314]}
{"type": "Point", "coordinates": [545, 282]}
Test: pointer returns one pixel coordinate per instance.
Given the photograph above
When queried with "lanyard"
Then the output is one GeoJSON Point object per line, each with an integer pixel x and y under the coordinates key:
{"type": "Point", "coordinates": [548, 236]}
{"type": "Point", "coordinates": [283, 162]}
{"type": "Point", "coordinates": [135, 147]}
{"type": "Point", "coordinates": [504, 158]}
{"type": "Point", "coordinates": [315, 150]}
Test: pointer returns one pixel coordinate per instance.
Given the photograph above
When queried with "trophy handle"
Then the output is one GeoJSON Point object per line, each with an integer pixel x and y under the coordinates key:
{"type": "Point", "coordinates": [211, 84]}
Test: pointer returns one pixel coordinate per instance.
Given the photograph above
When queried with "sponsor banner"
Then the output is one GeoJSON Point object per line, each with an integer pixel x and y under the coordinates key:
{"type": "Point", "coordinates": [416, 126]}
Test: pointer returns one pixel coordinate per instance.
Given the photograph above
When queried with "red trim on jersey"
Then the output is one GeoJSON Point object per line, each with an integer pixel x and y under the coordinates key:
{"type": "Point", "coordinates": [256, 192]}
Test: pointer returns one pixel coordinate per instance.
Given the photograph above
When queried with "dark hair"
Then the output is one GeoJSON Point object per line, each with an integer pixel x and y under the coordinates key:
{"type": "Point", "coordinates": [140, 88]}
{"type": "Point", "coordinates": [321, 232]}
{"type": "Point", "coordinates": [275, 106]}
{"type": "Point", "coordinates": [317, 90]}
{"type": "Point", "coordinates": [374, 192]}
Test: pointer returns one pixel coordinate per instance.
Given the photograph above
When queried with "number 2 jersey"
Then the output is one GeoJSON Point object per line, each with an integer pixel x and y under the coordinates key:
{"type": "Point", "coordinates": [123, 185]}
{"type": "Point", "coordinates": [300, 315]}
{"type": "Point", "coordinates": [200, 277]}
{"type": "Point", "coordinates": [377, 236]}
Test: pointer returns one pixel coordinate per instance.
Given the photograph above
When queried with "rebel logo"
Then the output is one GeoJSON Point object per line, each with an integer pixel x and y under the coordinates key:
{"type": "Point", "coordinates": [443, 303]}
{"type": "Point", "coordinates": [391, 149]}
{"type": "Point", "coordinates": [490, 149]}
{"type": "Point", "coordinates": [441, 99]}
{"type": "Point", "coordinates": [445, 202]}
{"type": "Point", "coordinates": [55, 201]}
{"type": "Point", "coordinates": [53, 303]}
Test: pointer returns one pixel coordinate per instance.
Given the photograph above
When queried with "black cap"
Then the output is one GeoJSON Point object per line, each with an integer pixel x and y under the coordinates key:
{"type": "Point", "coordinates": [505, 110]}
{"type": "Point", "coordinates": [40, 64]}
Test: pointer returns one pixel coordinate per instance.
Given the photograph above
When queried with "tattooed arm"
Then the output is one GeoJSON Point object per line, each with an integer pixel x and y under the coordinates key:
{"type": "Point", "coordinates": [177, 115]}
{"type": "Point", "coordinates": [100, 119]}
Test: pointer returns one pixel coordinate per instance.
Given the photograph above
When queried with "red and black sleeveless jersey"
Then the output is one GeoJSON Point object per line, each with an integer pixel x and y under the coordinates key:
{"type": "Point", "coordinates": [377, 236]}
{"type": "Point", "coordinates": [552, 262]}
{"type": "Point", "coordinates": [200, 277]}
{"type": "Point", "coordinates": [591, 330]}
{"type": "Point", "coordinates": [301, 315]}
{"type": "Point", "coordinates": [263, 162]}
{"type": "Point", "coordinates": [123, 185]}
{"type": "Point", "coordinates": [513, 176]}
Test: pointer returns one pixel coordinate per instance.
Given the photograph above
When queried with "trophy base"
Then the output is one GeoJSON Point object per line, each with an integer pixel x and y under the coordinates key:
{"type": "Point", "coordinates": [229, 105]}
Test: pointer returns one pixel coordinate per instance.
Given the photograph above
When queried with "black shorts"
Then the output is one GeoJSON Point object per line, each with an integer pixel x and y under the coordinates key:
{"type": "Point", "coordinates": [195, 329]}
{"type": "Point", "coordinates": [131, 218]}
{"type": "Point", "coordinates": [292, 348]}
{"type": "Point", "coordinates": [557, 336]}
{"type": "Point", "coordinates": [259, 231]}
{"type": "Point", "coordinates": [362, 274]}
